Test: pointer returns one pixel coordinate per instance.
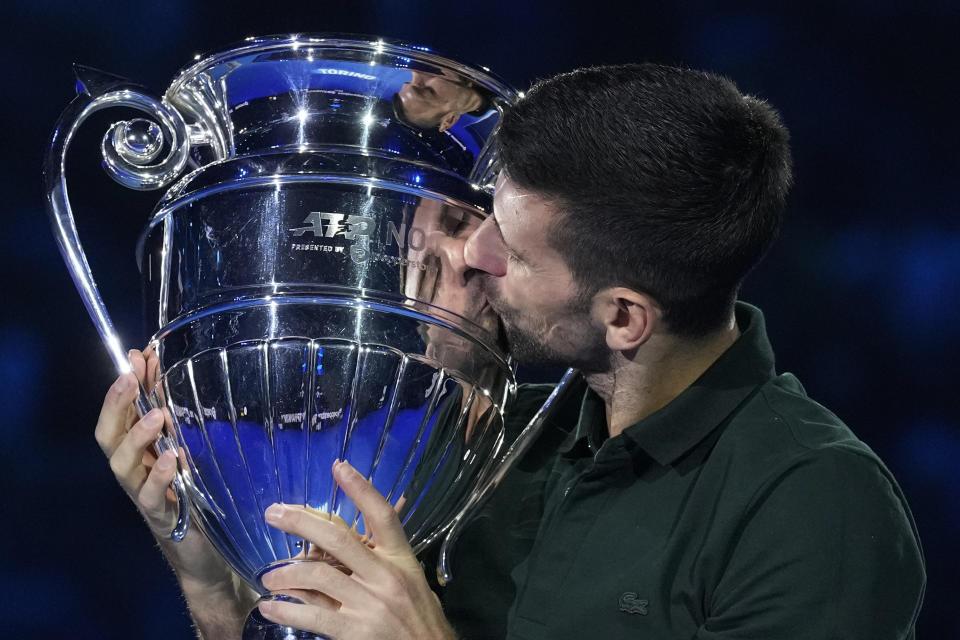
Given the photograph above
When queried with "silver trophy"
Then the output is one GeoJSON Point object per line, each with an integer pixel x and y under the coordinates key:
{"type": "Point", "coordinates": [304, 279]}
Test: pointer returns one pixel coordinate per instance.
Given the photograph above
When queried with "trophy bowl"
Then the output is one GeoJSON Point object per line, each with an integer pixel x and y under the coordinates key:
{"type": "Point", "coordinates": [304, 280]}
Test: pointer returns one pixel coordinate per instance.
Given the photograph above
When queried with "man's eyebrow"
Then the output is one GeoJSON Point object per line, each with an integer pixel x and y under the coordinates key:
{"type": "Point", "coordinates": [496, 223]}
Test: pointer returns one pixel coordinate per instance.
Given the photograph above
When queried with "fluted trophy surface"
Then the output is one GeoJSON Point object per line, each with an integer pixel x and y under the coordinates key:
{"type": "Point", "coordinates": [304, 279]}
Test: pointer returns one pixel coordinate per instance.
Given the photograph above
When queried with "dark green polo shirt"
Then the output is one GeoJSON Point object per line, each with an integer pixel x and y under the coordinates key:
{"type": "Point", "coordinates": [743, 509]}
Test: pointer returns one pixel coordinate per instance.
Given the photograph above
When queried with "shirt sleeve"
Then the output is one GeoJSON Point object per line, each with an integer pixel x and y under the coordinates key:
{"type": "Point", "coordinates": [828, 549]}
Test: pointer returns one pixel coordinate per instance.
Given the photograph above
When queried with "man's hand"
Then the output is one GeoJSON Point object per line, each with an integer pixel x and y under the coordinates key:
{"type": "Point", "coordinates": [126, 441]}
{"type": "Point", "coordinates": [217, 599]}
{"type": "Point", "coordinates": [384, 596]}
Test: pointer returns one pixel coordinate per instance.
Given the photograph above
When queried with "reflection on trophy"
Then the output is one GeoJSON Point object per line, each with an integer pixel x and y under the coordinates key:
{"type": "Point", "coordinates": [304, 281]}
{"type": "Point", "coordinates": [437, 101]}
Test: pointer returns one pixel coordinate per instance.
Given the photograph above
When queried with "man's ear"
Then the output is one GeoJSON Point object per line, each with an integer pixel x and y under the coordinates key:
{"type": "Point", "coordinates": [629, 317]}
{"type": "Point", "coordinates": [449, 119]}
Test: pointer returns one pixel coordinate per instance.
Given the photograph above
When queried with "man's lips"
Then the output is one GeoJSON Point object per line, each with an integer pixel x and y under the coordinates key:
{"type": "Point", "coordinates": [488, 309]}
{"type": "Point", "coordinates": [482, 292]}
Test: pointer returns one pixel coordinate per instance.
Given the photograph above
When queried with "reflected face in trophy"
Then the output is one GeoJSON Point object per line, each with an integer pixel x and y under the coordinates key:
{"type": "Point", "coordinates": [450, 284]}
{"type": "Point", "coordinates": [528, 283]}
{"type": "Point", "coordinates": [431, 101]}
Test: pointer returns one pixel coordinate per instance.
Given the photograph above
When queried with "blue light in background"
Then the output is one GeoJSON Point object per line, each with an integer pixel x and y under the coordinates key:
{"type": "Point", "coordinates": [928, 452]}
{"type": "Point", "coordinates": [20, 239]}
{"type": "Point", "coordinates": [59, 603]}
{"type": "Point", "coordinates": [916, 272]}
{"type": "Point", "coordinates": [732, 39]}
{"type": "Point", "coordinates": [21, 358]}
{"type": "Point", "coordinates": [137, 27]}
{"type": "Point", "coordinates": [859, 255]}
{"type": "Point", "coordinates": [928, 281]}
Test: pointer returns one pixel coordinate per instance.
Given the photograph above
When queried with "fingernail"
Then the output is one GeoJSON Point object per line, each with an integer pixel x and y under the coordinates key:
{"type": "Point", "coordinates": [123, 383]}
{"type": "Point", "coordinates": [267, 608]}
{"type": "Point", "coordinates": [274, 512]}
{"type": "Point", "coordinates": [152, 420]}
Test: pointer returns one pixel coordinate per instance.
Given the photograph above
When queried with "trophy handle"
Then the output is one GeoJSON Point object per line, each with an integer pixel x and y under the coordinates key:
{"type": "Point", "coordinates": [128, 150]}
{"type": "Point", "coordinates": [516, 451]}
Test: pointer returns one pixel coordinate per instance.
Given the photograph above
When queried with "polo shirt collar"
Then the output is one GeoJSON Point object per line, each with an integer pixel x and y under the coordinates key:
{"type": "Point", "coordinates": [673, 430]}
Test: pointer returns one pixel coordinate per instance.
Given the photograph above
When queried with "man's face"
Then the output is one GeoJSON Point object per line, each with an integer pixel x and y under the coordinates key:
{"type": "Point", "coordinates": [432, 101]}
{"type": "Point", "coordinates": [446, 281]}
{"type": "Point", "coordinates": [528, 283]}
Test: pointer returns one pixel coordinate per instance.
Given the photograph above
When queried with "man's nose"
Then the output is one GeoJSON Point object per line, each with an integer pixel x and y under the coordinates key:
{"type": "Point", "coordinates": [483, 250]}
{"type": "Point", "coordinates": [450, 251]}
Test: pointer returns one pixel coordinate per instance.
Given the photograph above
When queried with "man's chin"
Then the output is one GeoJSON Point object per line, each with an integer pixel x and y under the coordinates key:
{"type": "Point", "coordinates": [526, 349]}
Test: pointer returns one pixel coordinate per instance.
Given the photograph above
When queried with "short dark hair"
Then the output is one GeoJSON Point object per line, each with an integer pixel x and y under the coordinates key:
{"type": "Point", "coordinates": [668, 181]}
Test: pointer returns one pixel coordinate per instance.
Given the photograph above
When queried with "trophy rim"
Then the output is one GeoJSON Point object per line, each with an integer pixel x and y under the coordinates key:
{"type": "Point", "coordinates": [339, 41]}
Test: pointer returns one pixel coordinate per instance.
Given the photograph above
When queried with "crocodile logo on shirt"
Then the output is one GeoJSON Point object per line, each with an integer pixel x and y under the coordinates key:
{"type": "Point", "coordinates": [630, 602]}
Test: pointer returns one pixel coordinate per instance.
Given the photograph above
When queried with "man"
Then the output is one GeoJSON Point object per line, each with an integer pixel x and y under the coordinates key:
{"type": "Point", "coordinates": [692, 492]}
{"type": "Point", "coordinates": [430, 101]}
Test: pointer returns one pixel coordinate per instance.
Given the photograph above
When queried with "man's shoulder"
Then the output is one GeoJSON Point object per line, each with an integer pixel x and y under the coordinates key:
{"type": "Point", "coordinates": [783, 420]}
{"type": "Point", "coordinates": [814, 511]}
{"type": "Point", "coordinates": [783, 432]}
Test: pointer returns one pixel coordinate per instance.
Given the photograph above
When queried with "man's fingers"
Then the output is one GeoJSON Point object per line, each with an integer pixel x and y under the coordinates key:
{"type": "Point", "coordinates": [128, 455]}
{"type": "Point", "coordinates": [112, 423]}
{"type": "Point", "coordinates": [138, 362]}
{"type": "Point", "coordinates": [153, 493]}
{"type": "Point", "coordinates": [311, 597]}
{"type": "Point", "coordinates": [152, 367]}
{"type": "Point", "coordinates": [317, 619]}
{"type": "Point", "coordinates": [380, 518]}
{"type": "Point", "coordinates": [340, 542]}
{"type": "Point", "coordinates": [319, 576]}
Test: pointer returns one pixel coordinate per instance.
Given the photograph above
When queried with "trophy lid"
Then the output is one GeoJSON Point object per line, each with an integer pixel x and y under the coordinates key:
{"type": "Point", "coordinates": [342, 94]}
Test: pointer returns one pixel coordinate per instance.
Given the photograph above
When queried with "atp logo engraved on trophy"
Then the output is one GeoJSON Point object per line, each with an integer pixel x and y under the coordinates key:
{"type": "Point", "coordinates": [630, 602]}
{"type": "Point", "coordinates": [359, 231]}
{"type": "Point", "coordinates": [324, 224]}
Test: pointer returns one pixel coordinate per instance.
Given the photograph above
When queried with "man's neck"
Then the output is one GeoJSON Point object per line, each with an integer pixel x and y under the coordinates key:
{"type": "Point", "coordinates": [644, 382]}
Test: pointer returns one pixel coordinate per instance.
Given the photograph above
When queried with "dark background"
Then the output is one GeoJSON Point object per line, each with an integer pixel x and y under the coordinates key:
{"type": "Point", "coordinates": [862, 293]}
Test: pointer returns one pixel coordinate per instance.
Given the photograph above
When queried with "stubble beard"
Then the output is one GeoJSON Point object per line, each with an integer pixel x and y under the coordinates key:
{"type": "Point", "coordinates": [586, 349]}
